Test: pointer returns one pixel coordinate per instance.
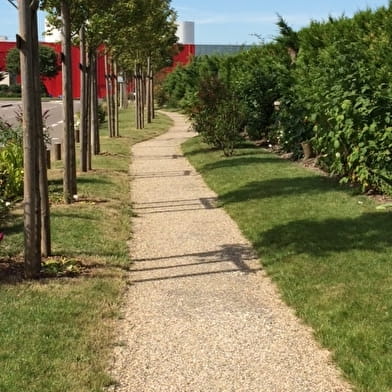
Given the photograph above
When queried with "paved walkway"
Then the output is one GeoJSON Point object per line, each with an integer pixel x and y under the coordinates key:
{"type": "Point", "coordinates": [200, 314]}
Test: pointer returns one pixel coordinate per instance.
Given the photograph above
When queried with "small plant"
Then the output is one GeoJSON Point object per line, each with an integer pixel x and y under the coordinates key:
{"type": "Point", "coordinates": [58, 267]}
{"type": "Point", "coordinates": [11, 163]}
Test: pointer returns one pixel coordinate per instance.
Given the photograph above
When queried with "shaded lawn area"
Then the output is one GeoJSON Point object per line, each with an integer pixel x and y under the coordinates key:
{"type": "Point", "coordinates": [56, 334]}
{"type": "Point", "coordinates": [326, 246]}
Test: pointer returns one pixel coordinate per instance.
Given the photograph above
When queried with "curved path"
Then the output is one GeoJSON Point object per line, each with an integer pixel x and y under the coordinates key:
{"type": "Point", "coordinates": [200, 314]}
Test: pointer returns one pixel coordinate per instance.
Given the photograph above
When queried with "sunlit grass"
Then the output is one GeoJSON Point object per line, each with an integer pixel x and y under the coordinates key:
{"type": "Point", "coordinates": [326, 246]}
{"type": "Point", "coordinates": [56, 333]}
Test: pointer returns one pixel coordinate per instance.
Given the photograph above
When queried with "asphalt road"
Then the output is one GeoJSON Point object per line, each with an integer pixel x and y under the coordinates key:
{"type": "Point", "coordinates": [8, 110]}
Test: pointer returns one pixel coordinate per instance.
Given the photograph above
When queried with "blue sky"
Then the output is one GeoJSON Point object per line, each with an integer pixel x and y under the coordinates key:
{"type": "Point", "coordinates": [233, 21]}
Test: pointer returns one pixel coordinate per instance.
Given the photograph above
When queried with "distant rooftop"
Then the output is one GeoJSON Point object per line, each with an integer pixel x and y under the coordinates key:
{"type": "Point", "coordinates": [201, 50]}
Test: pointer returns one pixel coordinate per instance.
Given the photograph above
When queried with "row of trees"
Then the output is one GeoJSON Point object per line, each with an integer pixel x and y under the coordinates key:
{"type": "Point", "coordinates": [328, 84]}
{"type": "Point", "coordinates": [134, 34]}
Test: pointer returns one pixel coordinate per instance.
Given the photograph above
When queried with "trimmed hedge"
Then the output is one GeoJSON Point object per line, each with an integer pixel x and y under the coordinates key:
{"type": "Point", "coordinates": [333, 80]}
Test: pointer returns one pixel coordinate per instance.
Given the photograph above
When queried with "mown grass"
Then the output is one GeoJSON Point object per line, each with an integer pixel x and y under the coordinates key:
{"type": "Point", "coordinates": [56, 333]}
{"type": "Point", "coordinates": [327, 247]}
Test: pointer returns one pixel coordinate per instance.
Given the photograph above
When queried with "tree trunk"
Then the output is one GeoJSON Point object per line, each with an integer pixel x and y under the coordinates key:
{"type": "Point", "coordinates": [139, 97]}
{"type": "Point", "coordinates": [121, 93]}
{"type": "Point", "coordinates": [83, 103]}
{"type": "Point", "coordinates": [32, 218]}
{"type": "Point", "coordinates": [88, 107]}
{"type": "Point", "coordinates": [69, 180]}
{"type": "Point", "coordinates": [113, 83]}
{"type": "Point", "coordinates": [115, 99]}
{"type": "Point", "coordinates": [94, 106]}
{"type": "Point", "coordinates": [125, 91]}
{"type": "Point", "coordinates": [148, 91]}
{"type": "Point", "coordinates": [143, 93]}
{"type": "Point", "coordinates": [152, 93]}
{"type": "Point", "coordinates": [43, 174]}
{"type": "Point", "coordinates": [123, 99]}
{"type": "Point", "coordinates": [108, 95]}
{"type": "Point", "coordinates": [136, 96]}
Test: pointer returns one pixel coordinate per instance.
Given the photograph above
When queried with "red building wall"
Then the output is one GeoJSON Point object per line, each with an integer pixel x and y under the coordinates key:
{"type": "Point", "coordinates": [185, 55]}
{"type": "Point", "coordinates": [4, 48]}
{"type": "Point", "coordinates": [54, 85]}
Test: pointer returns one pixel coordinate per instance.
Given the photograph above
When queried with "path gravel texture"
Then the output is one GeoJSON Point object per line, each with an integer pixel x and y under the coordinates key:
{"type": "Point", "coordinates": [200, 314]}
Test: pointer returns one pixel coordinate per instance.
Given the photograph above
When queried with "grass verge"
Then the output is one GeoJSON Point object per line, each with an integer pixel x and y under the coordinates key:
{"type": "Point", "coordinates": [328, 249]}
{"type": "Point", "coordinates": [55, 334]}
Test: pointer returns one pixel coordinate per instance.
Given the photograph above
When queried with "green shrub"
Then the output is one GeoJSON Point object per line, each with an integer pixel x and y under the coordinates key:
{"type": "Point", "coordinates": [11, 162]}
{"type": "Point", "coordinates": [341, 82]}
{"type": "Point", "coordinates": [11, 171]}
{"type": "Point", "coordinates": [101, 113]}
{"type": "Point", "coordinates": [333, 80]}
{"type": "Point", "coordinates": [218, 115]}
{"type": "Point", "coordinates": [259, 77]}
{"type": "Point", "coordinates": [15, 89]}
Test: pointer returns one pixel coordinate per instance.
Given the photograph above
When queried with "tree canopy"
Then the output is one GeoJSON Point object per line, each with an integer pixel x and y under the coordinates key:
{"type": "Point", "coordinates": [49, 63]}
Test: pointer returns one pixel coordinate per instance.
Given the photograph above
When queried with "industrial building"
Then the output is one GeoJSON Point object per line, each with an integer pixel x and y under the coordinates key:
{"type": "Point", "coordinates": [187, 46]}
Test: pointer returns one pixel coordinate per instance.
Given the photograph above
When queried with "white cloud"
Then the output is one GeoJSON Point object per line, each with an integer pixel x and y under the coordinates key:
{"type": "Point", "coordinates": [237, 18]}
{"type": "Point", "coordinates": [210, 18]}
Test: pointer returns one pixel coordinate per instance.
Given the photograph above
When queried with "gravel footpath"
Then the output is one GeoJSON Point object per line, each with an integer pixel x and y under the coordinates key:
{"type": "Point", "coordinates": [200, 315]}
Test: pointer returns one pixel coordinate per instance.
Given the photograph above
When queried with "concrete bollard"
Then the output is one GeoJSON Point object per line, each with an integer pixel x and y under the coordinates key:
{"type": "Point", "coordinates": [48, 163]}
{"type": "Point", "coordinates": [77, 135]}
{"type": "Point", "coordinates": [57, 152]}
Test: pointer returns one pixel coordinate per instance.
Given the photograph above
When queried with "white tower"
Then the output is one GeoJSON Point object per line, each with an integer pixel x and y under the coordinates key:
{"type": "Point", "coordinates": [186, 33]}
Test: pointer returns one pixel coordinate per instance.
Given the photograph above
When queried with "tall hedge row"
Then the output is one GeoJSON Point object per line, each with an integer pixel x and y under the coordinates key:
{"type": "Point", "coordinates": [333, 80]}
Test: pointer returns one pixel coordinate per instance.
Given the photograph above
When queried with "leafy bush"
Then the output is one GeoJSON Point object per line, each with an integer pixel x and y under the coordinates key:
{"type": "Point", "coordinates": [261, 77]}
{"type": "Point", "coordinates": [9, 133]}
{"type": "Point", "coordinates": [48, 60]}
{"type": "Point", "coordinates": [11, 171]}
{"type": "Point", "coordinates": [341, 82]}
{"type": "Point", "coordinates": [218, 115]}
{"type": "Point", "coordinates": [333, 80]}
{"type": "Point", "coordinates": [11, 162]}
{"type": "Point", "coordinates": [12, 91]}
{"type": "Point", "coordinates": [15, 89]}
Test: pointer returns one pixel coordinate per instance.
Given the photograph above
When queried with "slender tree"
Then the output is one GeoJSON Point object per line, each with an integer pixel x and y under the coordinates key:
{"type": "Point", "coordinates": [69, 181]}
{"type": "Point", "coordinates": [29, 74]}
{"type": "Point", "coordinates": [109, 92]}
{"type": "Point", "coordinates": [94, 106]}
{"type": "Point", "coordinates": [43, 175]}
{"type": "Point", "coordinates": [84, 109]}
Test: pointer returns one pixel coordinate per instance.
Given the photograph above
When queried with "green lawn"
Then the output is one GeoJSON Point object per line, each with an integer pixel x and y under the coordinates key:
{"type": "Point", "coordinates": [327, 247]}
{"type": "Point", "coordinates": [56, 333]}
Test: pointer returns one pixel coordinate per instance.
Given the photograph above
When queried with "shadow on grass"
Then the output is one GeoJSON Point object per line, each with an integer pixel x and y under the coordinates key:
{"type": "Point", "coordinates": [12, 269]}
{"type": "Point", "coordinates": [201, 150]}
{"type": "Point", "coordinates": [369, 232]}
{"type": "Point", "coordinates": [243, 160]}
{"type": "Point", "coordinates": [58, 182]}
{"type": "Point", "coordinates": [278, 187]}
{"type": "Point", "coordinates": [13, 228]}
